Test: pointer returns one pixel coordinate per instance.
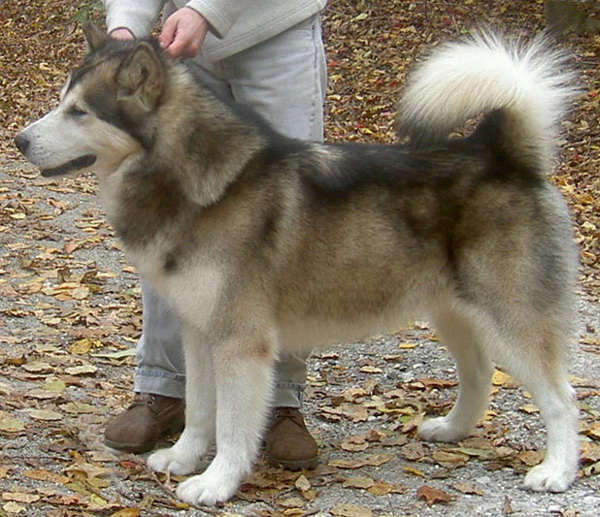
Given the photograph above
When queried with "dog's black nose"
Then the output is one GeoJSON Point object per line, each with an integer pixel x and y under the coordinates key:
{"type": "Point", "coordinates": [22, 143]}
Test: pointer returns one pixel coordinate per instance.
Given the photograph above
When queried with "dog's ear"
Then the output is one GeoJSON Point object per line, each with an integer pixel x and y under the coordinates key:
{"type": "Point", "coordinates": [140, 78]}
{"type": "Point", "coordinates": [93, 35]}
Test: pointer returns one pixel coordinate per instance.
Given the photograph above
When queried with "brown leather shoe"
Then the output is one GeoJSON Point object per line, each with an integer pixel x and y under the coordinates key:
{"type": "Point", "coordinates": [148, 419]}
{"type": "Point", "coordinates": [288, 442]}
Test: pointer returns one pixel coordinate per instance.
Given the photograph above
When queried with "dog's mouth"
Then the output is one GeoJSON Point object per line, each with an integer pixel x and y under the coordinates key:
{"type": "Point", "coordinates": [74, 165]}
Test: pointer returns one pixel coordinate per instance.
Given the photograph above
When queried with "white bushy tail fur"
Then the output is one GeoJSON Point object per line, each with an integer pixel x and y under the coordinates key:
{"type": "Point", "coordinates": [525, 84]}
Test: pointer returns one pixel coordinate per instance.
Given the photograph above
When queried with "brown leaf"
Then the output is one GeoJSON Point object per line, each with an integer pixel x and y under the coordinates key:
{"type": "Point", "coordinates": [413, 451]}
{"type": "Point", "coordinates": [433, 495]}
{"type": "Point", "coordinates": [507, 507]}
{"type": "Point", "coordinates": [354, 444]}
{"type": "Point", "coordinates": [531, 458]}
{"type": "Point", "coordinates": [468, 488]}
{"type": "Point", "coordinates": [20, 497]}
{"type": "Point", "coordinates": [452, 458]}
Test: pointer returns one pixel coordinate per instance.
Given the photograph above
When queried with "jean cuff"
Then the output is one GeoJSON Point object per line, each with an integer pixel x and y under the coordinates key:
{"type": "Point", "coordinates": [288, 394]}
{"type": "Point", "coordinates": [159, 382]}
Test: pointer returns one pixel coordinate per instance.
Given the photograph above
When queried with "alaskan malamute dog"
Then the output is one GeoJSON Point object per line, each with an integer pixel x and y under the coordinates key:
{"type": "Point", "coordinates": [263, 243]}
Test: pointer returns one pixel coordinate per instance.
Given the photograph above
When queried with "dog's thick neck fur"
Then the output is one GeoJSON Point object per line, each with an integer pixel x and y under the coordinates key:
{"type": "Point", "coordinates": [151, 89]}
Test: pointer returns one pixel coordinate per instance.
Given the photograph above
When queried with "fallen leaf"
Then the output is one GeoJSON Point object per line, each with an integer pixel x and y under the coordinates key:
{"type": "Point", "coordinates": [507, 507]}
{"type": "Point", "coordinates": [503, 379]}
{"type": "Point", "coordinates": [126, 512]}
{"type": "Point", "coordinates": [413, 451]}
{"type": "Point", "coordinates": [45, 415]}
{"type": "Point", "coordinates": [452, 458]}
{"type": "Point", "coordinates": [358, 482]}
{"type": "Point", "coordinates": [413, 471]}
{"type": "Point", "coordinates": [13, 508]}
{"type": "Point", "coordinates": [354, 444]}
{"type": "Point", "coordinates": [78, 408]}
{"type": "Point", "coordinates": [38, 367]}
{"type": "Point", "coordinates": [86, 369]}
{"type": "Point", "coordinates": [467, 488]}
{"type": "Point", "coordinates": [9, 424]}
{"type": "Point", "coordinates": [433, 495]}
{"type": "Point", "coordinates": [291, 502]}
{"type": "Point", "coordinates": [46, 476]}
{"type": "Point", "coordinates": [302, 483]}
{"type": "Point", "coordinates": [531, 458]}
{"type": "Point", "coordinates": [20, 497]}
{"type": "Point", "coordinates": [350, 510]}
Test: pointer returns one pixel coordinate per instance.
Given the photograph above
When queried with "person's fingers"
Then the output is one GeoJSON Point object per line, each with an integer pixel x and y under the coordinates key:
{"type": "Point", "coordinates": [177, 48]}
{"type": "Point", "coordinates": [183, 33]}
{"type": "Point", "coordinates": [169, 31]}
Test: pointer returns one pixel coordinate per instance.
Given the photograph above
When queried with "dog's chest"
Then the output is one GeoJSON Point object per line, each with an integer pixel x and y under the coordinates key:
{"type": "Point", "coordinates": [192, 288]}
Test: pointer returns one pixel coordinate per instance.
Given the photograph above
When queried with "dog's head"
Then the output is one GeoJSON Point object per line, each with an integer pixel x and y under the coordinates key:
{"type": "Point", "coordinates": [106, 111]}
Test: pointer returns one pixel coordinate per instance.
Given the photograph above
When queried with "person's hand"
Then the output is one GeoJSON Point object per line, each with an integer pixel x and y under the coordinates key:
{"type": "Point", "coordinates": [122, 34]}
{"type": "Point", "coordinates": [183, 33]}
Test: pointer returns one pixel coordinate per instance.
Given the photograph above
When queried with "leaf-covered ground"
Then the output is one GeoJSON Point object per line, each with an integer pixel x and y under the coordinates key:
{"type": "Point", "coordinates": [70, 312]}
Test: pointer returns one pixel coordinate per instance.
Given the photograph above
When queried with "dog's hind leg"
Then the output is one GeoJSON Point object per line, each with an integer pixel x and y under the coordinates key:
{"type": "Point", "coordinates": [539, 366]}
{"type": "Point", "coordinates": [186, 455]}
{"type": "Point", "coordinates": [243, 372]}
{"type": "Point", "coordinates": [556, 400]}
{"type": "Point", "coordinates": [475, 370]}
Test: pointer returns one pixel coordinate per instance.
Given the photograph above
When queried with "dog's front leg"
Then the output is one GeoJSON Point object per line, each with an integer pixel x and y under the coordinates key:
{"type": "Point", "coordinates": [243, 372]}
{"type": "Point", "coordinates": [186, 455]}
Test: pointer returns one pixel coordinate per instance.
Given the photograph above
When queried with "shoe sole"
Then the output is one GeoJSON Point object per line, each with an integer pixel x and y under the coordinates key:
{"type": "Point", "coordinates": [144, 447]}
{"type": "Point", "coordinates": [129, 447]}
{"type": "Point", "coordinates": [308, 464]}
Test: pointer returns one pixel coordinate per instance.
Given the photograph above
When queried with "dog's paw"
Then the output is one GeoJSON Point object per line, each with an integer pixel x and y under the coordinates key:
{"type": "Point", "coordinates": [549, 478]}
{"type": "Point", "coordinates": [207, 489]}
{"type": "Point", "coordinates": [441, 430]}
{"type": "Point", "coordinates": [171, 460]}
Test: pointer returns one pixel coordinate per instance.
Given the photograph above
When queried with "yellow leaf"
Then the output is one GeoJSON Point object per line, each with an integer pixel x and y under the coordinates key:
{"type": "Point", "coordinates": [529, 409]}
{"type": "Point", "coordinates": [126, 512]}
{"type": "Point", "coordinates": [503, 379]}
{"type": "Point", "coordinates": [81, 346]}
{"type": "Point", "coordinates": [413, 471]}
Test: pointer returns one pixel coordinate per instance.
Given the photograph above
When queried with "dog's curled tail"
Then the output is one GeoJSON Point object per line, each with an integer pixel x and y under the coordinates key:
{"type": "Point", "coordinates": [524, 88]}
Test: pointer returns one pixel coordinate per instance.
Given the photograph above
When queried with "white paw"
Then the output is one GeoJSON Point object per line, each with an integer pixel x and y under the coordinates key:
{"type": "Point", "coordinates": [441, 430]}
{"type": "Point", "coordinates": [170, 460]}
{"type": "Point", "coordinates": [207, 489]}
{"type": "Point", "coordinates": [549, 478]}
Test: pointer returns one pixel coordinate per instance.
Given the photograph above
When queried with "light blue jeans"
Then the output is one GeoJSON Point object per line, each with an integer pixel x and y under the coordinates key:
{"type": "Point", "coordinates": [284, 80]}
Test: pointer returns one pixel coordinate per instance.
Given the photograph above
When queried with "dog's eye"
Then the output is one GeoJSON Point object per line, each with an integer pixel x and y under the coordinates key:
{"type": "Point", "coordinates": [75, 111]}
